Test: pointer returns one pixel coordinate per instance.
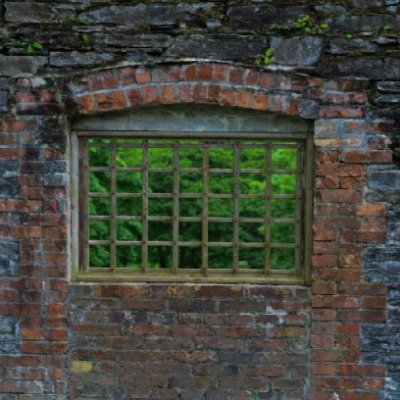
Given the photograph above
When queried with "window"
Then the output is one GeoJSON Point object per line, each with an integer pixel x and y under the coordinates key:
{"type": "Point", "coordinates": [189, 206]}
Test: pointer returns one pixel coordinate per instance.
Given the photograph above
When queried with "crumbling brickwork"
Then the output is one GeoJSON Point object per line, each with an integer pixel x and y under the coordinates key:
{"type": "Point", "coordinates": [336, 64]}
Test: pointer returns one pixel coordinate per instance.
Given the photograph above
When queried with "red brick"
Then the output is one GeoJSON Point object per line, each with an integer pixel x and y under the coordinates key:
{"type": "Point", "coordinates": [151, 95]}
{"type": "Point", "coordinates": [340, 195]}
{"type": "Point", "coordinates": [168, 94]}
{"type": "Point", "coordinates": [367, 157]}
{"type": "Point", "coordinates": [221, 73]}
{"type": "Point", "coordinates": [251, 77]}
{"type": "Point", "coordinates": [189, 72]}
{"type": "Point", "coordinates": [228, 97]}
{"type": "Point", "coordinates": [143, 75]}
{"type": "Point", "coordinates": [185, 93]}
{"type": "Point", "coordinates": [127, 76]}
{"type": "Point", "coordinates": [245, 98]}
{"type": "Point", "coordinates": [118, 100]}
{"type": "Point", "coordinates": [341, 112]}
{"type": "Point", "coordinates": [134, 97]}
{"type": "Point", "coordinates": [261, 101]}
{"type": "Point", "coordinates": [103, 101]}
{"type": "Point", "coordinates": [236, 75]}
{"type": "Point", "coordinates": [372, 209]}
{"type": "Point", "coordinates": [322, 341]}
{"type": "Point", "coordinates": [323, 287]}
{"type": "Point", "coordinates": [205, 72]}
{"type": "Point", "coordinates": [87, 104]}
{"type": "Point", "coordinates": [323, 369]}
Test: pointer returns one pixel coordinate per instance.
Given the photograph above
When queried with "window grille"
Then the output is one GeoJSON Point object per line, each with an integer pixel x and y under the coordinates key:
{"type": "Point", "coordinates": [194, 206]}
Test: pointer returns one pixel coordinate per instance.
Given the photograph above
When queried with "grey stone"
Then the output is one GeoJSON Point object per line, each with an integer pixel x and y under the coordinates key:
{"type": "Point", "coordinates": [9, 257]}
{"type": "Point", "coordinates": [394, 222]}
{"type": "Point", "coordinates": [5, 83]}
{"type": "Point", "coordinates": [360, 23]}
{"type": "Point", "coordinates": [157, 15]}
{"type": "Point", "coordinates": [29, 12]}
{"type": "Point", "coordinates": [3, 100]}
{"type": "Point", "coordinates": [382, 264]}
{"type": "Point", "coordinates": [127, 39]}
{"type": "Point", "coordinates": [219, 46]}
{"type": "Point", "coordinates": [384, 179]}
{"type": "Point", "coordinates": [264, 16]}
{"type": "Point", "coordinates": [20, 65]}
{"type": "Point", "coordinates": [75, 59]}
{"type": "Point", "coordinates": [345, 46]}
{"type": "Point", "coordinates": [387, 99]}
{"type": "Point", "coordinates": [301, 50]}
{"type": "Point", "coordinates": [366, 3]}
{"type": "Point", "coordinates": [373, 68]}
{"type": "Point", "coordinates": [55, 180]}
{"type": "Point", "coordinates": [51, 167]}
{"type": "Point", "coordinates": [8, 178]}
{"type": "Point", "coordinates": [388, 86]}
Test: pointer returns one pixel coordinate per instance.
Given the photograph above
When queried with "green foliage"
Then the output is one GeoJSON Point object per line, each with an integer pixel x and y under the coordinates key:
{"type": "Point", "coordinates": [30, 47]}
{"type": "Point", "coordinates": [309, 25]}
{"type": "Point", "coordinates": [348, 36]}
{"type": "Point", "coordinates": [78, 20]}
{"type": "Point", "coordinates": [266, 58]}
{"type": "Point", "coordinates": [191, 182]}
{"type": "Point", "coordinates": [86, 39]}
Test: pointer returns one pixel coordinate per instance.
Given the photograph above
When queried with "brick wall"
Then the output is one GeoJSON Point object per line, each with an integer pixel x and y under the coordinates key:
{"type": "Point", "coordinates": [62, 340]}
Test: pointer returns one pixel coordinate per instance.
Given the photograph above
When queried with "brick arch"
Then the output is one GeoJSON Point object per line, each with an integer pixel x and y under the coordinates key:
{"type": "Point", "coordinates": [198, 83]}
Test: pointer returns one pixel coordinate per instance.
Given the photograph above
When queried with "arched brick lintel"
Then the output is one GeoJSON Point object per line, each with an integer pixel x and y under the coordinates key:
{"type": "Point", "coordinates": [215, 84]}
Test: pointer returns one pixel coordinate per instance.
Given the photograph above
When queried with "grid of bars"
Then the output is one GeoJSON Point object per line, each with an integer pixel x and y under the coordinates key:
{"type": "Point", "coordinates": [202, 143]}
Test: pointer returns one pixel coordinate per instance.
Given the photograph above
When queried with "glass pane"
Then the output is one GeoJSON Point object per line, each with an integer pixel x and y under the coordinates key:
{"type": "Point", "coordinates": [160, 182]}
{"type": "Point", "coordinates": [251, 259]}
{"type": "Point", "coordinates": [220, 232]}
{"type": "Point", "coordinates": [160, 207]}
{"type": "Point", "coordinates": [99, 206]}
{"type": "Point", "coordinates": [251, 233]}
{"type": "Point", "coordinates": [127, 157]}
{"type": "Point", "coordinates": [160, 157]}
{"type": "Point", "coordinates": [283, 233]}
{"type": "Point", "coordinates": [129, 257]}
{"type": "Point", "coordinates": [252, 183]}
{"type": "Point", "coordinates": [99, 182]}
{"type": "Point", "coordinates": [191, 157]}
{"type": "Point", "coordinates": [282, 258]}
{"type": "Point", "coordinates": [191, 182]}
{"type": "Point", "coordinates": [129, 230]}
{"type": "Point", "coordinates": [99, 230]}
{"type": "Point", "coordinates": [129, 206]}
{"type": "Point", "coordinates": [220, 183]}
{"type": "Point", "coordinates": [99, 256]}
{"type": "Point", "coordinates": [220, 157]}
{"type": "Point", "coordinates": [129, 182]}
{"type": "Point", "coordinates": [190, 257]}
{"type": "Point", "coordinates": [190, 207]}
{"type": "Point", "coordinates": [160, 257]}
{"type": "Point", "coordinates": [252, 158]}
{"type": "Point", "coordinates": [220, 258]}
{"type": "Point", "coordinates": [190, 231]}
{"type": "Point", "coordinates": [283, 208]}
{"type": "Point", "coordinates": [99, 156]}
{"type": "Point", "coordinates": [284, 158]}
{"type": "Point", "coordinates": [283, 183]}
{"type": "Point", "coordinates": [220, 207]}
{"type": "Point", "coordinates": [252, 207]}
{"type": "Point", "coordinates": [160, 231]}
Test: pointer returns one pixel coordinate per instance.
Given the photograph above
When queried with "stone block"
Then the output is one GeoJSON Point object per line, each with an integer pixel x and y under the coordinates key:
{"type": "Point", "coordinates": [345, 46]}
{"type": "Point", "coordinates": [155, 15]}
{"type": "Point", "coordinates": [382, 264]}
{"type": "Point", "coordinates": [9, 257]}
{"type": "Point", "coordinates": [76, 59]}
{"type": "Point", "coordinates": [20, 65]}
{"type": "Point", "coordinates": [9, 178]}
{"type": "Point", "coordinates": [386, 179]}
{"type": "Point", "coordinates": [220, 46]}
{"type": "Point", "coordinates": [301, 50]}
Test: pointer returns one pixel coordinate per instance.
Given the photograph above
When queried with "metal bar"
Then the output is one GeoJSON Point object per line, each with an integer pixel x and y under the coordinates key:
{"type": "Point", "coordinates": [299, 209]}
{"type": "Point", "coordinates": [169, 243]}
{"type": "Point", "coordinates": [192, 135]}
{"type": "Point", "coordinates": [308, 180]}
{"type": "Point", "coordinates": [145, 206]}
{"type": "Point", "coordinates": [236, 205]}
{"type": "Point", "coordinates": [205, 194]}
{"type": "Point", "coordinates": [267, 215]}
{"type": "Point", "coordinates": [175, 211]}
{"type": "Point", "coordinates": [113, 222]}
{"type": "Point", "coordinates": [84, 205]}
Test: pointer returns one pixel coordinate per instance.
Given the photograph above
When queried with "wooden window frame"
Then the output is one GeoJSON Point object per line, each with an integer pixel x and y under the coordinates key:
{"type": "Point", "coordinates": [304, 211]}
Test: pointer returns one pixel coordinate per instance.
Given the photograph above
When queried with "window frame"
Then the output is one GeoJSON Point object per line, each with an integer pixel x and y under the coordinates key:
{"type": "Point", "coordinates": [230, 276]}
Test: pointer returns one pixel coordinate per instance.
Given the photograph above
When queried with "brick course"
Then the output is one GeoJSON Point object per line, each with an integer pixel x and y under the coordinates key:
{"type": "Point", "coordinates": [334, 340]}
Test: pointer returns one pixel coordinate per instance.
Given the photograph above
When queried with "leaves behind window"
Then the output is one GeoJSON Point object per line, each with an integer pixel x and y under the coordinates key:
{"type": "Point", "coordinates": [254, 184]}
